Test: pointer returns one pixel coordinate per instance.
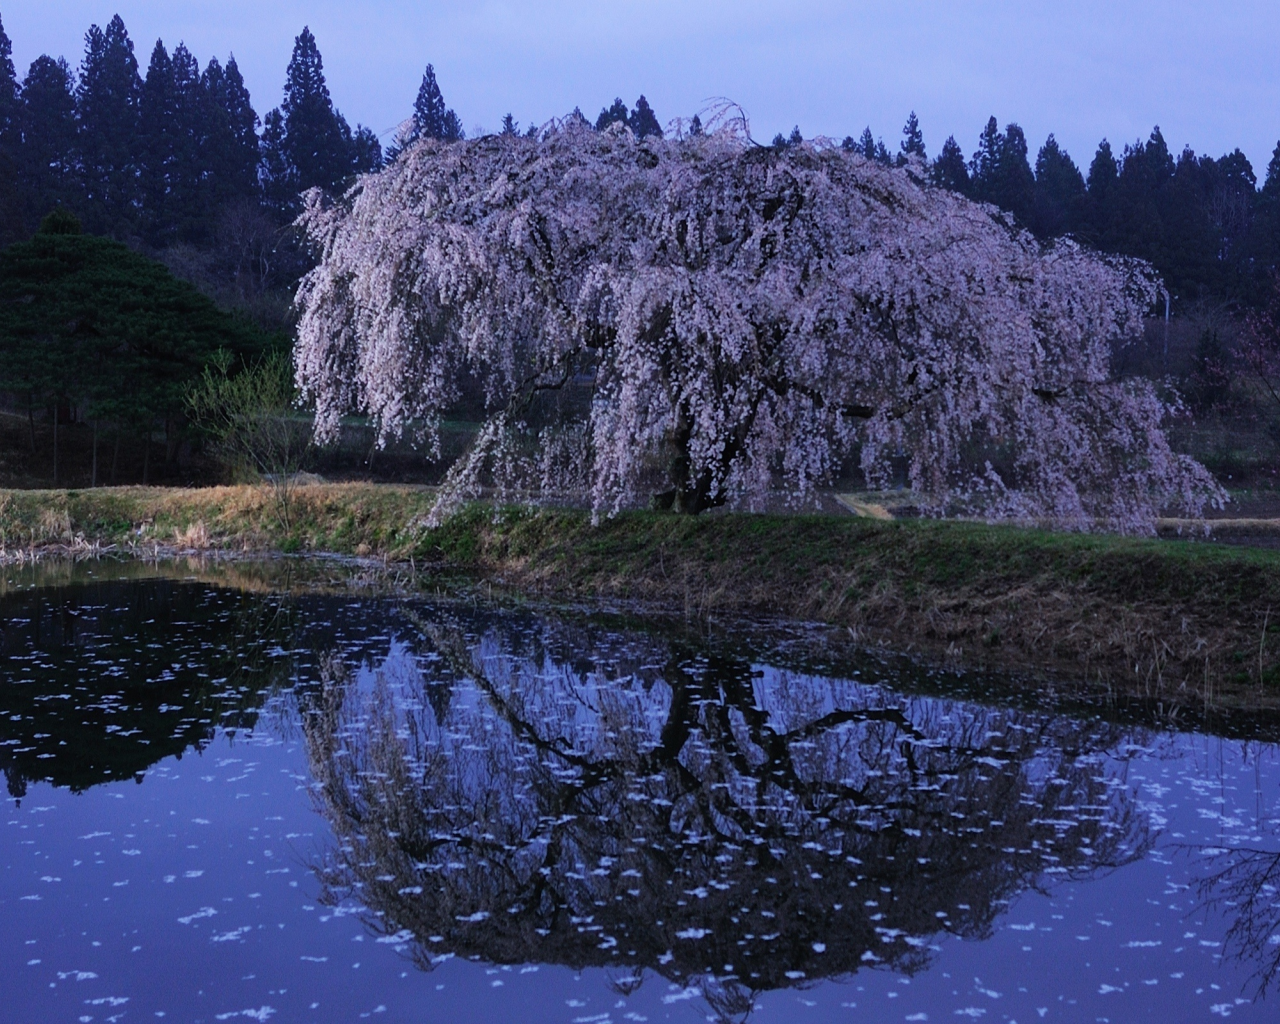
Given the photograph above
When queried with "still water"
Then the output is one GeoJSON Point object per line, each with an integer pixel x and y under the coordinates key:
{"type": "Point", "coordinates": [226, 802]}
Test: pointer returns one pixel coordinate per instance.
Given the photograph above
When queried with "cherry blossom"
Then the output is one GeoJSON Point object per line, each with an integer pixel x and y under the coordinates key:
{"type": "Point", "coordinates": [702, 321]}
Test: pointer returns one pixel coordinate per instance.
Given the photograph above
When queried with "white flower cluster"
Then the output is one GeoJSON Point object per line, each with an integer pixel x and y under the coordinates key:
{"type": "Point", "coordinates": [742, 317]}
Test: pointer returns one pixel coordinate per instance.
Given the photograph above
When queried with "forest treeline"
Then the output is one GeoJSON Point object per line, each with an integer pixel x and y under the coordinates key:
{"type": "Point", "coordinates": [173, 159]}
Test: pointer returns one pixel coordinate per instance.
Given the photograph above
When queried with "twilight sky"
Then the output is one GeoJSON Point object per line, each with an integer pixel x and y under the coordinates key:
{"type": "Point", "coordinates": [1207, 73]}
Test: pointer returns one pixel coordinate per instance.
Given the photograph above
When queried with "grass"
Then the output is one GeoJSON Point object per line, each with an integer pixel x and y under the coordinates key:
{"type": "Point", "coordinates": [1182, 626]}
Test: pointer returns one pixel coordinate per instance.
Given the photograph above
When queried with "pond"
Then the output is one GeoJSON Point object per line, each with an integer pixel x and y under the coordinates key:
{"type": "Point", "coordinates": [230, 801]}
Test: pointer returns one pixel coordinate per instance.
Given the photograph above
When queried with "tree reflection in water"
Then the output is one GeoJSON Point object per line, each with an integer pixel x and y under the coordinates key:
{"type": "Point", "coordinates": [1245, 883]}
{"type": "Point", "coordinates": [593, 800]}
{"type": "Point", "coordinates": [101, 680]}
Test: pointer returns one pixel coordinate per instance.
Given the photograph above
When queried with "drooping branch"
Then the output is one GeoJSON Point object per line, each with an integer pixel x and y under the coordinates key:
{"type": "Point", "coordinates": [751, 316]}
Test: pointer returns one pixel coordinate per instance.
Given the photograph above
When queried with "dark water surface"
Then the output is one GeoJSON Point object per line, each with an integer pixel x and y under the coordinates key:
{"type": "Point", "coordinates": [228, 803]}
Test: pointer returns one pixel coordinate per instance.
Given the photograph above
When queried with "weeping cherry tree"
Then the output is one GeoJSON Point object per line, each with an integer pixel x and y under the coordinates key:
{"type": "Point", "coordinates": [732, 318]}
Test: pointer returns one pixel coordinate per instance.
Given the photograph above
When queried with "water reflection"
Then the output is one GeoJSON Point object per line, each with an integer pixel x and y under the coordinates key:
{"type": "Point", "coordinates": [103, 679]}
{"type": "Point", "coordinates": [1245, 883]}
{"type": "Point", "coordinates": [556, 794]}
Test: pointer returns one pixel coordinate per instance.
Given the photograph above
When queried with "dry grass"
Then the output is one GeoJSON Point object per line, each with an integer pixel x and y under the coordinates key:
{"type": "Point", "coordinates": [1176, 624]}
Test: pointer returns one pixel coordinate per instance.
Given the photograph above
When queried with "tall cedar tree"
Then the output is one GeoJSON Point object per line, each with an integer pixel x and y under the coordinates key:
{"type": "Point", "coordinates": [107, 101]}
{"type": "Point", "coordinates": [1059, 192]}
{"type": "Point", "coordinates": [10, 201]}
{"type": "Point", "coordinates": [231, 154]}
{"type": "Point", "coordinates": [912, 143]}
{"type": "Point", "coordinates": [618, 113]}
{"type": "Point", "coordinates": [644, 122]}
{"type": "Point", "coordinates": [47, 169]}
{"type": "Point", "coordinates": [431, 118]}
{"type": "Point", "coordinates": [999, 172]}
{"type": "Point", "coordinates": [949, 170]}
{"type": "Point", "coordinates": [316, 148]}
{"type": "Point", "coordinates": [174, 128]}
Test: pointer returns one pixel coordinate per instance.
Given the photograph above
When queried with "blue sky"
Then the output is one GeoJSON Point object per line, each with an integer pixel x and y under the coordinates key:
{"type": "Point", "coordinates": [1208, 73]}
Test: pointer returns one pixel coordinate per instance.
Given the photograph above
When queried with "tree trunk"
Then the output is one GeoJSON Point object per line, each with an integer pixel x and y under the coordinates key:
{"type": "Point", "coordinates": [55, 443]}
{"type": "Point", "coordinates": [687, 495]}
{"type": "Point", "coordinates": [31, 421]}
{"type": "Point", "coordinates": [93, 481]}
{"type": "Point", "coordinates": [146, 458]}
{"type": "Point", "coordinates": [115, 457]}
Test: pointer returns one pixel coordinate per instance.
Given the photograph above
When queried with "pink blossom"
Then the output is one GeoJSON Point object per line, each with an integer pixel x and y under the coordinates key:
{"type": "Point", "coordinates": [746, 319]}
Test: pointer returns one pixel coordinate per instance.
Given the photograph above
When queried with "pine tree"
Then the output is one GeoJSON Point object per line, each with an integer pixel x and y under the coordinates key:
{"type": "Point", "coordinates": [913, 139]}
{"type": "Point", "coordinates": [231, 146]}
{"type": "Point", "coordinates": [795, 138]}
{"type": "Point", "coordinates": [643, 121]}
{"type": "Point", "coordinates": [431, 118]}
{"type": "Point", "coordinates": [1059, 192]}
{"type": "Point", "coordinates": [11, 227]}
{"type": "Point", "coordinates": [1271, 185]}
{"type": "Point", "coordinates": [1015, 186]}
{"type": "Point", "coordinates": [366, 151]}
{"type": "Point", "coordinates": [949, 170]}
{"type": "Point", "coordinates": [608, 115]}
{"type": "Point", "coordinates": [47, 165]}
{"type": "Point", "coordinates": [695, 126]}
{"type": "Point", "coordinates": [8, 87]}
{"type": "Point", "coordinates": [107, 100]}
{"type": "Point", "coordinates": [156, 117]}
{"type": "Point", "coordinates": [278, 178]}
{"type": "Point", "coordinates": [984, 166]}
{"type": "Point", "coordinates": [175, 124]}
{"type": "Point", "coordinates": [510, 126]}
{"type": "Point", "coordinates": [317, 144]}
{"type": "Point", "coordinates": [1104, 171]}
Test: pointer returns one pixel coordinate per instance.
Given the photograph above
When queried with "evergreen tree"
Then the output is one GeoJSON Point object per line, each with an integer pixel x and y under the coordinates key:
{"type": "Point", "coordinates": [1015, 184]}
{"type": "Point", "coordinates": [10, 200]}
{"type": "Point", "coordinates": [231, 149]}
{"type": "Point", "coordinates": [984, 166]}
{"type": "Point", "coordinates": [695, 126]}
{"type": "Point", "coordinates": [999, 171]}
{"type": "Point", "coordinates": [278, 178]}
{"type": "Point", "coordinates": [867, 144]}
{"type": "Point", "coordinates": [8, 88]}
{"type": "Point", "coordinates": [912, 143]}
{"type": "Point", "coordinates": [1265, 241]}
{"type": "Point", "coordinates": [608, 115]}
{"type": "Point", "coordinates": [779, 142]}
{"type": "Point", "coordinates": [47, 167]}
{"type": "Point", "coordinates": [173, 122]}
{"type": "Point", "coordinates": [366, 151]}
{"type": "Point", "coordinates": [949, 170]}
{"type": "Point", "coordinates": [317, 144]}
{"type": "Point", "coordinates": [1059, 192]}
{"type": "Point", "coordinates": [431, 118]}
{"type": "Point", "coordinates": [1101, 185]}
{"type": "Point", "coordinates": [107, 100]}
{"type": "Point", "coordinates": [644, 122]}
{"type": "Point", "coordinates": [510, 126]}
{"type": "Point", "coordinates": [1271, 186]}
{"type": "Point", "coordinates": [795, 138]}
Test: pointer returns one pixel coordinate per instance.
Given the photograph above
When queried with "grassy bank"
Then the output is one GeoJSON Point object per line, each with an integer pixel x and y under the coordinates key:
{"type": "Point", "coordinates": [1179, 624]}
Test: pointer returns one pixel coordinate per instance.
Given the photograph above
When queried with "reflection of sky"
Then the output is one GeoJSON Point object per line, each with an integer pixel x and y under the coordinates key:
{"type": "Point", "coordinates": [1205, 72]}
{"type": "Point", "coordinates": [203, 869]}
